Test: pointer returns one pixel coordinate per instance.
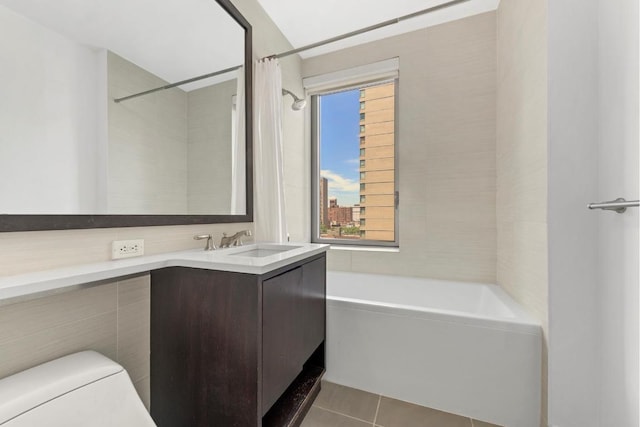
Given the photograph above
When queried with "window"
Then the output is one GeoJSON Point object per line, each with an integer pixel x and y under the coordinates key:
{"type": "Point", "coordinates": [339, 162]}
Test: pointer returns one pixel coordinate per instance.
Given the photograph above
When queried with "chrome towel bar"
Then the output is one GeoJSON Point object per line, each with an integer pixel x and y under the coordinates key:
{"type": "Point", "coordinates": [619, 205]}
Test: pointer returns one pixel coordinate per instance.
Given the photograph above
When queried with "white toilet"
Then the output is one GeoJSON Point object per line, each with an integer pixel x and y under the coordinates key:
{"type": "Point", "coordinates": [80, 390]}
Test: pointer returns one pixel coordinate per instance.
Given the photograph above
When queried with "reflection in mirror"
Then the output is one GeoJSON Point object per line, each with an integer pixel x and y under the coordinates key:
{"type": "Point", "coordinates": [67, 148]}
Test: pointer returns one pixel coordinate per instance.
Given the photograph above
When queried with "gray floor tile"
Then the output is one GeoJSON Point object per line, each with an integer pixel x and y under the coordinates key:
{"type": "Point", "coordinates": [318, 417]}
{"type": "Point", "coordinates": [477, 423]}
{"type": "Point", "coordinates": [395, 413]}
{"type": "Point", "coordinates": [349, 401]}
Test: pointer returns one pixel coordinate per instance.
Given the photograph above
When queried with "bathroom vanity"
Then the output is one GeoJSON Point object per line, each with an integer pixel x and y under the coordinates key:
{"type": "Point", "coordinates": [236, 349]}
{"type": "Point", "coordinates": [237, 335]}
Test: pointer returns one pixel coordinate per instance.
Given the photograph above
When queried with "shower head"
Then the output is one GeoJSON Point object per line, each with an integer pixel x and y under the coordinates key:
{"type": "Point", "coordinates": [298, 104]}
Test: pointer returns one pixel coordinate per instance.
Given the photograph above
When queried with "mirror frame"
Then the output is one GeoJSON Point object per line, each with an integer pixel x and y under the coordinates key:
{"type": "Point", "coordinates": [68, 222]}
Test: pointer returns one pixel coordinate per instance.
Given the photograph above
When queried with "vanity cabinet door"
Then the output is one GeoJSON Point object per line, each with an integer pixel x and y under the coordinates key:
{"type": "Point", "coordinates": [281, 335]}
{"type": "Point", "coordinates": [313, 305]}
{"type": "Point", "coordinates": [204, 348]}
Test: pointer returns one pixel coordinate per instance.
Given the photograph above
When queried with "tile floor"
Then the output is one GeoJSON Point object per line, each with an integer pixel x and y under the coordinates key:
{"type": "Point", "coordinates": [339, 406]}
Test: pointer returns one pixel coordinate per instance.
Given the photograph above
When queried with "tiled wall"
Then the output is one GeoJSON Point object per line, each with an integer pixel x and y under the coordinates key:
{"type": "Point", "coordinates": [111, 318]}
{"type": "Point", "coordinates": [147, 154]}
{"type": "Point", "coordinates": [522, 159]}
{"type": "Point", "coordinates": [446, 146]}
{"type": "Point", "coordinates": [209, 148]}
{"type": "Point", "coordinates": [30, 251]}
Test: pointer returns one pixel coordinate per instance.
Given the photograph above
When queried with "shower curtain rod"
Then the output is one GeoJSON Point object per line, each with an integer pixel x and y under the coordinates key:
{"type": "Point", "coordinates": [303, 48]}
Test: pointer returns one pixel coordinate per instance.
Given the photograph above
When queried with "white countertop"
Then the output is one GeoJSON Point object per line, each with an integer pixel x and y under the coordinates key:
{"type": "Point", "coordinates": [38, 284]}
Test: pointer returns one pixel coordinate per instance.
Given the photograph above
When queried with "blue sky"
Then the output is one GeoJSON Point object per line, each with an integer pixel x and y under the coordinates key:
{"type": "Point", "coordinates": [340, 145]}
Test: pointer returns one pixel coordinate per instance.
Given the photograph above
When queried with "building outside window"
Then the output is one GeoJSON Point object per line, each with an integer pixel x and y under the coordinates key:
{"type": "Point", "coordinates": [361, 205]}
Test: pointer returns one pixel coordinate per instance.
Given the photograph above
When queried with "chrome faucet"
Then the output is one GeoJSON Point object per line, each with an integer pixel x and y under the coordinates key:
{"type": "Point", "coordinates": [235, 240]}
{"type": "Point", "coordinates": [210, 245]}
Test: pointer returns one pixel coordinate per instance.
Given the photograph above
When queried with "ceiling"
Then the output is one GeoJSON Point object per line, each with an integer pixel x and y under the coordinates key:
{"type": "Point", "coordinates": [180, 39]}
{"type": "Point", "coordinates": [173, 39]}
{"type": "Point", "coordinates": [305, 21]}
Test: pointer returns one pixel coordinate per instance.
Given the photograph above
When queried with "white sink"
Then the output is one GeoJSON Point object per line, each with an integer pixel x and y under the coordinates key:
{"type": "Point", "coordinates": [259, 251]}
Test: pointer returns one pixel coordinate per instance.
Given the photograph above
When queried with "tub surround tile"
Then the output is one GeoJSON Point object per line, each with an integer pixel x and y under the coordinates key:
{"type": "Point", "coordinates": [339, 260]}
{"type": "Point", "coordinates": [447, 131]}
{"type": "Point", "coordinates": [395, 413]}
{"type": "Point", "coordinates": [318, 417]}
{"type": "Point", "coordinates": [522, 159]}
{"type": "Point", "coordinates": [347, 401]}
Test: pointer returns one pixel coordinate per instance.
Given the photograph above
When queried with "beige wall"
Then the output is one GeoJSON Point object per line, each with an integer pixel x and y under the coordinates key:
{"type": "Point", "coordinates": [209, 148]}
{"type": "Point", "coordinates": [446, 145]}
{"type": "Point", "coordinates": [147, 154]}
{"type": "Point", "coordinates": [170, 151]}
{"type": "Point", "coordinates": [521, 150]}
{"type": "Point", "coordinates": [112, 319]}
{"type": "Point", "coordinates": [25, 252]}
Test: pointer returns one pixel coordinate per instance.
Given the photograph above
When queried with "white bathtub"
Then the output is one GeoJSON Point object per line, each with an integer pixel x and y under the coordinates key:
{"type": "Point", "coordinates": [463, 348]}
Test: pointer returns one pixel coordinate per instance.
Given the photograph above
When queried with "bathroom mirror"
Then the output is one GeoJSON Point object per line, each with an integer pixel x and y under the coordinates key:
{"type": "Point", "coordinates": [86, 140]}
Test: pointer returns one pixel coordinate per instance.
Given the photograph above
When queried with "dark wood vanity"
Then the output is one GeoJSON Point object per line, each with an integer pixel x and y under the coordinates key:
{"type": "Point", "coordinates": [236, 349]}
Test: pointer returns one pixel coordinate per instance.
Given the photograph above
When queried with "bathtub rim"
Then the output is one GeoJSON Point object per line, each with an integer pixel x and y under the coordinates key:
{"type": "Point", "coordinates": [522, 322]}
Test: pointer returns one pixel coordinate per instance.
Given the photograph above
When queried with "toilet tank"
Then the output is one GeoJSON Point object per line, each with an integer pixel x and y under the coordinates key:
{"type": "Point", "coordinates": [80, 390]}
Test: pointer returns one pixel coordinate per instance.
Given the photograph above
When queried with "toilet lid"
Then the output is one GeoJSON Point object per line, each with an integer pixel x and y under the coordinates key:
{"type": "Point", "coordinates": [81, 390]}
{"type": "Point", "coordinates": [21, 392]}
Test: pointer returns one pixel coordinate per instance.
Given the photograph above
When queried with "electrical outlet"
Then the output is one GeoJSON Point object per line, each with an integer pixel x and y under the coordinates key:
{"type": "Point", "coordinates": [127, 248]}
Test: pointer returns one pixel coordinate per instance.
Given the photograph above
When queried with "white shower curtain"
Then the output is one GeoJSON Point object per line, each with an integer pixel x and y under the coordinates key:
{"type": "Point", "coordinates": [269, 209]}
{"type": "Point", "coordinates": [238, 177]}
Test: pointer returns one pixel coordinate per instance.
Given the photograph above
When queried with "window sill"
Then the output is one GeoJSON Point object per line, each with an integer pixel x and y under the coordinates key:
{"type": "Point", "coordinates": [364, 248]}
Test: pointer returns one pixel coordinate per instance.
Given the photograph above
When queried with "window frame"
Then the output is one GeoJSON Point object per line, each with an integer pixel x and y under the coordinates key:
{"type": "Point", "coordinates": [315, 166]}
